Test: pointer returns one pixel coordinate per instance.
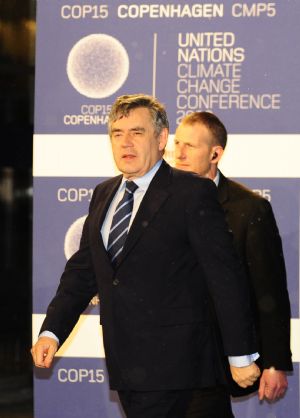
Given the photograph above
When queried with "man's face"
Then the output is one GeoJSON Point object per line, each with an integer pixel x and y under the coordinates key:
{"type": "Point", "coordinates": [194, 149]}
{"type": "Point", "coordinates": [135, 146]}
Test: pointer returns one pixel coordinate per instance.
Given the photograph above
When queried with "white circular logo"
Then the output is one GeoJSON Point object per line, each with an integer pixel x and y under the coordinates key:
{"type": "Point", "coordinates": [97, 65]}
{"type": "Point", "coordinates": [73, 236]}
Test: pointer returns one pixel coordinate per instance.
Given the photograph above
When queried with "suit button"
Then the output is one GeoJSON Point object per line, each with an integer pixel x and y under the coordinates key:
{"type": "Point", "coordinates": [116, 282]}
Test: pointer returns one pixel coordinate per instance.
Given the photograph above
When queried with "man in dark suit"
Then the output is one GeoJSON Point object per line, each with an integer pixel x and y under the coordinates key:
{"type": "Point", "coordinates": [200, 140]}
{"type": "Point", "coordinates": [154, 288]}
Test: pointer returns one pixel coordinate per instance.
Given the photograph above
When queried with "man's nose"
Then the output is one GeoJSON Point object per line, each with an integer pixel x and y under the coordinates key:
{"type": "Point", "coordinates": [127, 140]}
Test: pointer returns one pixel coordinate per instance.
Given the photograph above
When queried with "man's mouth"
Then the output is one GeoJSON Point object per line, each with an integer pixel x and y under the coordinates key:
{"type": "Point", "coordinates": [128, 156]}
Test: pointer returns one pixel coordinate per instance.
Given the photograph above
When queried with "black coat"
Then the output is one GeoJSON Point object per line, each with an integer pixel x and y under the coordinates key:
{"type": "Point", "coordinates": [154, 305]}
{"type": "Point", "coordinates": [257, 240]}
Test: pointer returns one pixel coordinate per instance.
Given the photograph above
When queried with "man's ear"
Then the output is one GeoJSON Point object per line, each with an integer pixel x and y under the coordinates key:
{"type": "Point", "coordinates": [163, 139]}
{"type": "Point", "coordinates": [217, 152]}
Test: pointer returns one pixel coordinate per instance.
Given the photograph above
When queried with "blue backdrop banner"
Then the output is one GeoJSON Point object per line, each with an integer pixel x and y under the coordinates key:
{"type": "Point", "coordinates": [239, 59]}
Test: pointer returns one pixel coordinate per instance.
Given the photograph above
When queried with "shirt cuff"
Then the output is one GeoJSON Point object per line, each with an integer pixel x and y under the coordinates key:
{"type": "Point", "coordinates": [50, 335]}
{"type": "Point", "coordinates": [242, 361]}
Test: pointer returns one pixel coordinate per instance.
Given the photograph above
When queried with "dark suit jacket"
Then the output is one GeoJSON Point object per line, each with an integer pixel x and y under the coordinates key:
{"type": "Point", "coordinates": [154, 305]}
{"type": "Point", "coordinates": [257, 240]}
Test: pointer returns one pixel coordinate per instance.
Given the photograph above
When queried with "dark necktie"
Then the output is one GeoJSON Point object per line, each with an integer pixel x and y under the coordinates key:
{"type": "Point", "coordinates": [119, 226]}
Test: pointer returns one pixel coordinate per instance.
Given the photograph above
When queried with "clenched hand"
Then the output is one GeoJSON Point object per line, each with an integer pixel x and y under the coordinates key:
{"type": "Point", "coordinates": [245, 376]}
{"type": "Point", "coordinates": [43, 351]}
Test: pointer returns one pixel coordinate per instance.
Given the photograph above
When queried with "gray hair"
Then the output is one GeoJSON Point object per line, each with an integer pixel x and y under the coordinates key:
{"type": "Point", "coordinates": [124, 104]}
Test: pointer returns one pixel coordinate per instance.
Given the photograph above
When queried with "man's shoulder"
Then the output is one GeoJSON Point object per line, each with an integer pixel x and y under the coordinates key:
{"type": "Point", "coordinates": [189, 178]}
{"type": "Point", "coordinates": [238, 192]}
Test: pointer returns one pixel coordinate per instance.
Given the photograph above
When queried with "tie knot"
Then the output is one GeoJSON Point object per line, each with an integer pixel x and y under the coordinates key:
{"type": "Point", "coordinates": [131, 186]}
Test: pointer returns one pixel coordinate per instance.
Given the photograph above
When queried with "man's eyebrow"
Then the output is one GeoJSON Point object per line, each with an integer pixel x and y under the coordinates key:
{"type": "Point", "coordinates": [138, 128]}
{"type": "Point", "coordinates": [135, 129]}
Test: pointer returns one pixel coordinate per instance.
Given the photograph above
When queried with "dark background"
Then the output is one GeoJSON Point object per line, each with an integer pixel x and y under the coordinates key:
{"type": "Point", "coordinates": [17, 47]}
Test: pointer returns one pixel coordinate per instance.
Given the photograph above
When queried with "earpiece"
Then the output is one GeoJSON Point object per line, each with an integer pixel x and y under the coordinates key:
{"type": "Point", "coordinates": [215, 154]}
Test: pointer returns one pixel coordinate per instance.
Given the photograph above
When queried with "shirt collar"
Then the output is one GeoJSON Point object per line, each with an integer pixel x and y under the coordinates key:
{"type": "Point", "coordinates": [217, 178]}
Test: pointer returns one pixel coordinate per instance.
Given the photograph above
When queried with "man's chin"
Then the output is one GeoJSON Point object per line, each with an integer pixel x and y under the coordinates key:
{"type": "Point", "coordinates": [128, 172]}
{"type": "Point", "coordinates": [182, 167]}
{"type": "Point", "coordinates": [127, 167]}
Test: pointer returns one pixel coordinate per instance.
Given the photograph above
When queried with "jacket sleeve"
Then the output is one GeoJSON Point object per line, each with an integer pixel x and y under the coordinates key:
{"type": "Point", "coordinates": [225, 276]}
{"type": "Point", "coordinates": [76, 288]}
{"type": "Point", "coordinates": [267, 273]}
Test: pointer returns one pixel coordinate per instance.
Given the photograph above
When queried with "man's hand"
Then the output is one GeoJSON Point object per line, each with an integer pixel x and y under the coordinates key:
{"type": "Point", "coordinates": [273, 384]}
{"type": "Point", "coordinates": [43, 351]}
{"type": "Point", "coordinates": [245, 376]}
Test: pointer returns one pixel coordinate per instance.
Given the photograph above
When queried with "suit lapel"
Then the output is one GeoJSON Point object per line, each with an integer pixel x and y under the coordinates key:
{"type": "Point", "coordinates": [105, 200]}
{"type": "Point", "coordinates": [155, 196]}
{"type": "Point", "coordinates": [99, 215]}
{"type": "Point", "coordinates": [223, 189]}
